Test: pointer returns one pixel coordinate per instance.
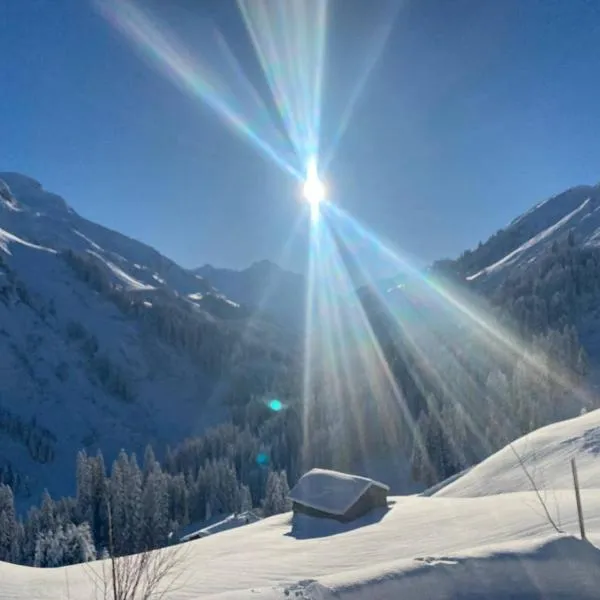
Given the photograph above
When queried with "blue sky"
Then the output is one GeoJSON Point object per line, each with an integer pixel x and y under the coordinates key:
{"type": "Point", "coordinates": [475, 110]}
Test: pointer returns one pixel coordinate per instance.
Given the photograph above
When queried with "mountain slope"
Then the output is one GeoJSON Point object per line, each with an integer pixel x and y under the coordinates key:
{"type": "Point", "coordinates": [520, 244]}
{"type": "Point", "coordinates": [34, 214]}
{"type": "Point", "coordinates": [105, 343]}
{"type": "Point", "coordinates": [546, 453]}
{"type": "Point", "coordinates": [263, 287]}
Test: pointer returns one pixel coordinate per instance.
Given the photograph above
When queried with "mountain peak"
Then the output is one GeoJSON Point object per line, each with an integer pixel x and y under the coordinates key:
{"type": "Point", "coordinates": [20, 180]}
{"type": "Point", "coordinates": [31, 195]}
{"type": "Point", "coordinates": [264, 266]}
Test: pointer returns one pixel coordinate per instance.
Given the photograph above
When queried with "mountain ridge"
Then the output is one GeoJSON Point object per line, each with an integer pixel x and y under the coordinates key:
{"type": "Point", "coordinates": [521, 242]}
{"type": "Point", "coordinates": [264, 287]}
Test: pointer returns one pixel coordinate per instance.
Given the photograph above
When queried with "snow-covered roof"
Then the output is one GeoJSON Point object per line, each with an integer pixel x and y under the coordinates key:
{"type": "Point", "coordinates": [231, 522]}
{"type": "Point", "coordinates": [330, 491]}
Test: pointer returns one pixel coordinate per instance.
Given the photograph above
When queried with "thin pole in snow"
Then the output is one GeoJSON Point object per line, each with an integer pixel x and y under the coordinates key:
{"type": "Point", "coordinates": [578, 499]}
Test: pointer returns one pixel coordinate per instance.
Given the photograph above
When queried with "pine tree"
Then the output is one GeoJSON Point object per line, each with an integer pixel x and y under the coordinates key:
{"type": "Point", "coordinates": [155, 508]}
{"type": "Point", "coordinates": [126, 504]}
{"type": "Point", "coordinates": [68, 545]}
{"type": "Point", "coordinates": [276, 494]}
{"type": "Point", "coordinates": [41, 549]}
{"type": "Point", "coordinates": [284, 488]}
{"type": "Point", "coordinates": [245, 499]}
{"type": "Point", "coordinates": [229, 498]}
{"type": "Point", "coordinates": [178, 499]}
{"type": "Point", "coordinates": [84, 479]}
{"type": "Point", "coordinates": [100, 501]}
{"type": "Point", "coordinates": [47, 520]}
{"type": "Point", "coordinates": [272, 495]}
{"type": "Point", "coordinates": [133, 506]}
{"type": "Point", "coordinates": [118, 504]}
{"type": "Point", "coordinates": [79, 544]}
{"type": "Point", "coordinates": [150, 462]}
{"type": "Point", "coordinates": [8, 525]}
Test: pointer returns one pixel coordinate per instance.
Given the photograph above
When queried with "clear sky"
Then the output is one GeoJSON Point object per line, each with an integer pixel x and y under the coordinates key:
{"type": "Point", "coordinates": [475, 110]}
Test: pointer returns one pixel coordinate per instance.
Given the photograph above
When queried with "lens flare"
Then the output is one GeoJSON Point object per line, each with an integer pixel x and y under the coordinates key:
{"type": "Point", "coordinates": [213, 76]}
{"type": "Point", "coordinates": [314, 190]}
{"type": "Point", "coordinates": [276, 405]}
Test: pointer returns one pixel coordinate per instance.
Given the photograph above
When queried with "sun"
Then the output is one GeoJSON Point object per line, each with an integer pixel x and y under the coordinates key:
{"type": "Point", "coordinates": [314, 189]}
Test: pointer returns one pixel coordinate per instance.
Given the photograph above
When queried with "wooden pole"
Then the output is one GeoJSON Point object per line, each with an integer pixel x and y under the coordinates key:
{"type": "Point", "coordinates": [578, 499]}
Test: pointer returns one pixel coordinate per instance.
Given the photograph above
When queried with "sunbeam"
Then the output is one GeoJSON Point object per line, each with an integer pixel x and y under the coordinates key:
{"type": "Point", "coordinates": [368, 61]}
{"type": "Point", "coordinates": [289, 40]}
{"type": "Point", "coordinates": [346, 370]}
{"type": "Point", "coordinates": [467, 313]}
{"type": "Point", "coordinates": [222, 85]}
{"type": "Point", "coordinates": [417, 334]}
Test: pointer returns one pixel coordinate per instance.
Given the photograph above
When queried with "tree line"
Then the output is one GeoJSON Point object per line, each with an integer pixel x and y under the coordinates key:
{"type": "Point", "coordinates": [135, 507]}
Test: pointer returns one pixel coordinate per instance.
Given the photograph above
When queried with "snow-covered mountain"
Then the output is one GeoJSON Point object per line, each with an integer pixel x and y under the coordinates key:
{"type": "Point", "coordinates": [38, 216]}
{"type": "Point", "coordinates": [106, 343]}
{"type": "Point", "coordinates": [575, 212]}
{"type": "Point", "coordinates": [263, 287]}
{"type": "Point", "coordinates": [483, 536]}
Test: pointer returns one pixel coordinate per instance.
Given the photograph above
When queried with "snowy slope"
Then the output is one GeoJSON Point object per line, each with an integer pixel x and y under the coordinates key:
{"type": "Point", "coordinates": [534, 243]}
{"type": "Point", "coordinates": [79, 372]}
{"type": "Point", "coordinates": [41, 217]}
{"type": "Point", "coordinates": [546, 453]}
{"type": "Point", "coordinates": [483, 544]}
{"type": "Point", "coordinates": [523, 240]}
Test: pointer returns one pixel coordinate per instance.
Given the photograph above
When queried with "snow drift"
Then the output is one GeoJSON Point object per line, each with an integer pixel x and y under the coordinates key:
{"type": "Point", "coordinates": [478, 542]}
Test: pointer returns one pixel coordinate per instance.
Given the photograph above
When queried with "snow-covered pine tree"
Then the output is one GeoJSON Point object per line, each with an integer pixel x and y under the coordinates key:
{"type": "Point", "coordinates": [100, 501]}
{"type": "Point", "coordinates": [118, 504]}
{"type": "Point", "coordinates": [133, 506]}
{"type": "Point", "coordinates": [272, 495]}
{"type": "Point", "coordinates": [84, 480]}
{"type": "Point", "coordinates": [155, 507]}
{"type": "Point", "coordinates": [229, 498]}
{"type": "Point", "coordinates": [8, 525]}
{"type": "Point", "coordinates": [276, 494]}
{"type": "Point", "coordinates": [421, 468]}
{"type": "Point", "coordinates": [150, 462]}
{"type": "Point", "coordinates": [69, 544]}
{"type": "Point", "coordinates": [50, 548]}
{"type": "Point", "coordinates": [47, 520]}
{"type": "Point", "coordinates": [284, 488]}
{"type": "Point", "coordinates": [79, 544]}
{"type": "Point", "coordinates": [245, 499]}
{"type": "Point", "coordinates": [178, 499]}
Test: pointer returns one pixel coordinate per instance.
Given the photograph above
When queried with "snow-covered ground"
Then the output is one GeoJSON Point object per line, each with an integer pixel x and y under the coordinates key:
{"type": "Point", "coordinates": [232, 521]}
{"type": "Point", "coordinates": [484, 535]}
{"type": "Point", "coordinates": [546, 453]}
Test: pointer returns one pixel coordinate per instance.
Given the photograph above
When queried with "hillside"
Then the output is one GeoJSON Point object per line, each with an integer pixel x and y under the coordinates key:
{"type": "Point", "coordinates": [546, 453]}
{"type": "Point", "coordinates": [479, 541]}
{"type": "Point", "coordinates": [499, 342]}
{"type": "Point", "coordinates": [264, 288]}
{"type": "Point", "coordinates": [105, 343]}
{"type": "Point", "coordinates": [543, 269]}
{"type": "Point", "coordinates": [529, 236]}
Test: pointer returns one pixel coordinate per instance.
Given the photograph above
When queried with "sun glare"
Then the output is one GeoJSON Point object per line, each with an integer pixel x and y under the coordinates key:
{"type": "Point", "coordinates": [314, 190]}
